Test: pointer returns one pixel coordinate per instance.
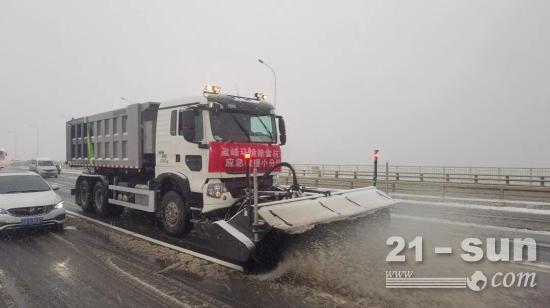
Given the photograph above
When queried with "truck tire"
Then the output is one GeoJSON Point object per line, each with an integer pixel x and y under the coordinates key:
{"type": "Point", "coordinates": [101, 206]}
{"type": "Point", "coordinates": [85, 196]}
{"type": "Point", "coordinates": [173, 214]}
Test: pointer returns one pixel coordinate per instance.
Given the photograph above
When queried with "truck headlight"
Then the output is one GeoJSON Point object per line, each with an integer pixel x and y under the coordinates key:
{"type": "Point", "coordinates": [59, 205]}
{"type": "Point", "coordinates": [216, 190]}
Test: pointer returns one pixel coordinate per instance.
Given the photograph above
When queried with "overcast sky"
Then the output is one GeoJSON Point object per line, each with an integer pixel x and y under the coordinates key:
{"type": "Point", "coordinates": [426, 82]}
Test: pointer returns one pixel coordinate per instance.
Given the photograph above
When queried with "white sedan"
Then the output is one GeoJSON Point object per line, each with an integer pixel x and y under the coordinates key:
{"type": "Point", "coordinates": [27, 200]}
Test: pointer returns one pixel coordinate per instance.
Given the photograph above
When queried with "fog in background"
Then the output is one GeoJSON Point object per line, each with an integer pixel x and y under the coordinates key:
{"type": "Point", "coordinates": [426, 82]}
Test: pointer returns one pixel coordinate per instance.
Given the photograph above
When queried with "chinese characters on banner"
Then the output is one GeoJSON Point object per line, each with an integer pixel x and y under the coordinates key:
{"type": "Point", "coordinates": [229, 157]}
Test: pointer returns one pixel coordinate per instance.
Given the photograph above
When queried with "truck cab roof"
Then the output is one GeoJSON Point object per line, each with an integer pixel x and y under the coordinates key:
{"type": "Point", "coordinates": [228, 102]}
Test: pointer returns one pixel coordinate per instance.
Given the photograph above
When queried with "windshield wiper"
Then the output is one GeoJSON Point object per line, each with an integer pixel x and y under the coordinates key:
{"type": "Point", "coordinates": [240, 126]}
{"type": "Point", "coordinates": [266, 129]}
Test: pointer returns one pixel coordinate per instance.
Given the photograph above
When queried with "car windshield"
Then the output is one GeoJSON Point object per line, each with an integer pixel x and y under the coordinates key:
{"type": "Point", "coordinates": [243, 127]}
{"type": "Point", "coordinates": [12, 184]}
{"type": "Point", "coordinates": [45, 163]}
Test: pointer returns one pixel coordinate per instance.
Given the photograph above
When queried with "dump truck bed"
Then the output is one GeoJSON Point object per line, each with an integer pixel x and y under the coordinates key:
{"type": "Point", "coordinates": [120, 138]}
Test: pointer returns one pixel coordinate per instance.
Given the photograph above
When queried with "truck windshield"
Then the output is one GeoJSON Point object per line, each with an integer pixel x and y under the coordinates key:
{"type": "Point", "coordinates": [243, 127]}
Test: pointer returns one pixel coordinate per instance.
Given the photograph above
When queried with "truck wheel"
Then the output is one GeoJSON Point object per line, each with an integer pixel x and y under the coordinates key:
{"type": "Point", "coordinates": [174, 216]}
{"type": "Point", "coordinates": [100, 199]}
{"type": "Point", "coordinates": [85, 196]}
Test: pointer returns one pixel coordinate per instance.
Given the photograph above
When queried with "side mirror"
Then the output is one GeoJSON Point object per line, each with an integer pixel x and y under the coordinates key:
{"type": "Point", "coordinates": [55, 187]}
{"type": "Point", "coordinates": [282, 131]}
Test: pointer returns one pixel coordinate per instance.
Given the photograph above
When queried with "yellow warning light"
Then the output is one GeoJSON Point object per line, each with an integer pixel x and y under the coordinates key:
{"type": "Point", "coordinates": [260, 96]}
{"type": "Point", "coordinates": [212, 89]}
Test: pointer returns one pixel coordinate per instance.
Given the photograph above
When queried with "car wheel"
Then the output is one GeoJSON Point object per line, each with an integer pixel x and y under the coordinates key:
{"type": "Point", "coordinates": [101, 205]}
{"type": "Point", "coordinates": [85, 196]}
{"type": "Point", "coordinates": [174, 216]}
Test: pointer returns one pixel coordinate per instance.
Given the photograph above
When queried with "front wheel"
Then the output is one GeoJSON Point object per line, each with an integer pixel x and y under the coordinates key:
{"type": "Point", "coordinates": [174, 216]}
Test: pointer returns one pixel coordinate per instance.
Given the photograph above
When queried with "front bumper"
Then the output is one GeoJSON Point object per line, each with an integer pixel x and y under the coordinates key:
{"type": "Point", "coordinates": [56, 216]}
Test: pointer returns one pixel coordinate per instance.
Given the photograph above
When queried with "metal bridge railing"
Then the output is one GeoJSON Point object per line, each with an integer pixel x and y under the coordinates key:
{"type": "Point", "coordinates": [435, 174]}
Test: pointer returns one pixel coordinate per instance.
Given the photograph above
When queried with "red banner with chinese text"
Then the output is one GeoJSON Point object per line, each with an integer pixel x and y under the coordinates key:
{"type": "Point", "coordinates": [229, 157]}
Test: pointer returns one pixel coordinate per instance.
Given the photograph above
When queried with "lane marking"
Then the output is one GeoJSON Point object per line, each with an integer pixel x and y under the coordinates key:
{"type": "Point", "coordinates": [160, 243]}
{"type": "Point", "coordinates": [145, 284]}
{"type": "Point", "coordinates": [516, 210]}
{"type": "Point", "coordinates": [540, 203]}
{"type": "Point", "coordinates": [467, 224]}
{"type": "Point", "coordinates": [539, 266]}
{"type": "Point", "coordinates": [65, 241]}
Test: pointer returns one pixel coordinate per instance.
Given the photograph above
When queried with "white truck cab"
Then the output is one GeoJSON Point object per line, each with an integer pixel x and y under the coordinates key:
{"type": "Point", "coordinates": [205, 140]}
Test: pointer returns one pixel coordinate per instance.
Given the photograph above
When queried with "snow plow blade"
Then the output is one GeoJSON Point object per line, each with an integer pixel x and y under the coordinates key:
{"type": "Point", "coordinates": [294, 216]}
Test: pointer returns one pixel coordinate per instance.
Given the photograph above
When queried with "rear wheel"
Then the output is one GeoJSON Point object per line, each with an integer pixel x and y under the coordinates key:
{"type": "Point", "coordinates": [85, 196]}
{"type": "Point", "coordinates": [174, 216]}
{"type": "Point", "coordinates": [101, 206]}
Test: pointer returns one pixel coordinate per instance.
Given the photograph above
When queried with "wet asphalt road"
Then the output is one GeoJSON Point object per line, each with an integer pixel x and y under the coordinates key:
{"type": "Point", "coordinates": [75, 268]}
{"type": "Point", "coordinates": [43, 269]}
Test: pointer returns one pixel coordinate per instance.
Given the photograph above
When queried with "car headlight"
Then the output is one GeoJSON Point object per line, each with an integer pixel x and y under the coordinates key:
{"type": "Point", "coordinates": [59, 205]}
{"type": "Point", "coordinates": [3, 212]}
{"type": "Point", "coordinates": [216, 190]}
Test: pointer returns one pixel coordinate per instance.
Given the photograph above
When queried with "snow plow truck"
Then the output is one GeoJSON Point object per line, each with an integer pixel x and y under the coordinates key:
{"type": "Point", "coordinates": [209, 162]}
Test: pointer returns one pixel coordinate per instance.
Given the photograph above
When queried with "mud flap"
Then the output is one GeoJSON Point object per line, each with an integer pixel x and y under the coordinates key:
{"type": "Point", "coordinates": [299, 215]}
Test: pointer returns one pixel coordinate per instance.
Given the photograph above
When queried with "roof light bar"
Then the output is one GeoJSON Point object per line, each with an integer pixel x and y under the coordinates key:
{"type": "Point", "coordinates": [211, 89]}
{"type": "Point", "coordinates": [260, 96]}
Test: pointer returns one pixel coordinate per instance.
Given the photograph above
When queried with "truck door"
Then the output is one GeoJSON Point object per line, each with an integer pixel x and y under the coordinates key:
{"type": "Point", "coordinates": [183, 153]}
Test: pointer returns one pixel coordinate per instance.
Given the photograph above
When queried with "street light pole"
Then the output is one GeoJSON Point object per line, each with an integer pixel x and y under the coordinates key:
{"type": "Point", "coordinates": [274, 81]}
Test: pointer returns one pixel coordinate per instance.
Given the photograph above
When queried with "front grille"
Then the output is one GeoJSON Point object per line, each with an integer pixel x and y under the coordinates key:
{"type": "Point", "coordinates": [31, 211]}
